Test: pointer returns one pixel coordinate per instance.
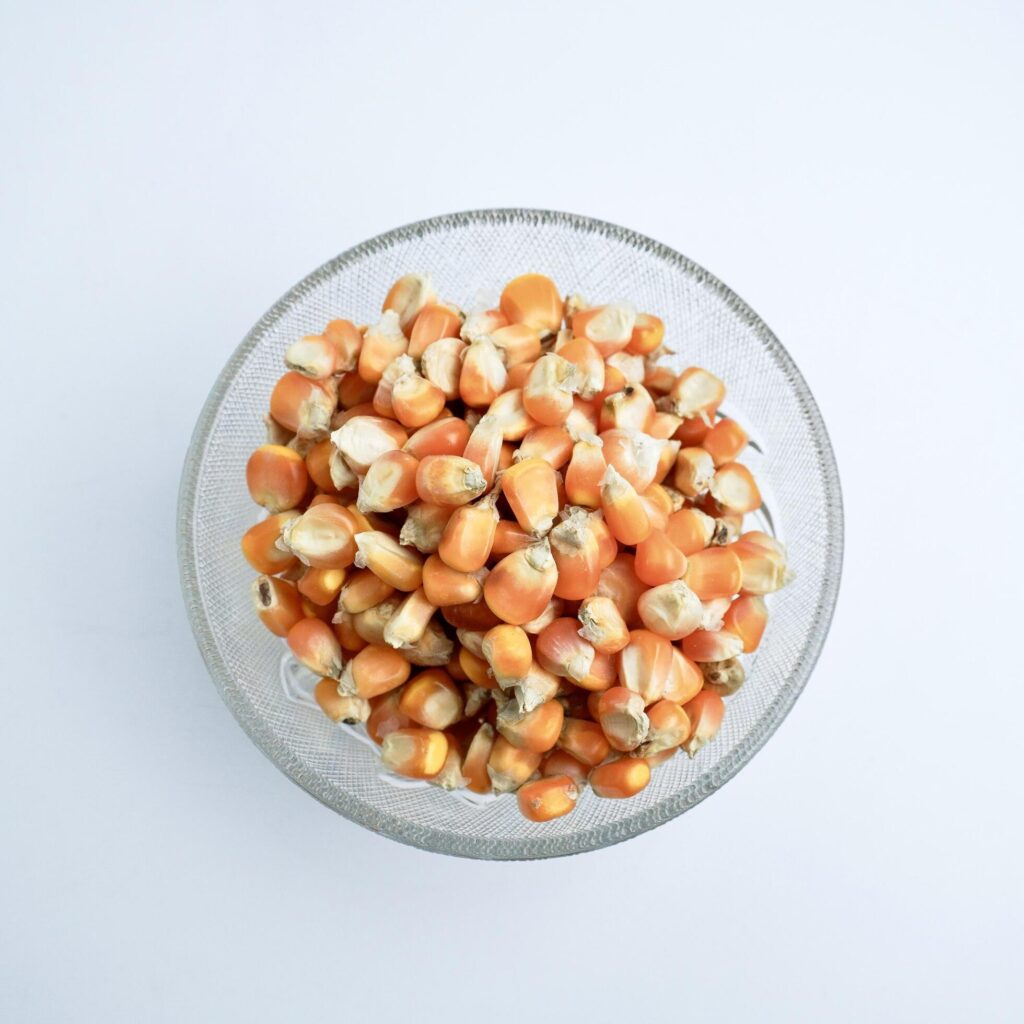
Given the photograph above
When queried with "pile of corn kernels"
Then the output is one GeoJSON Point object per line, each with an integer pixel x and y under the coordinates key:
{"type": "Point", "coordinates": [511, 544]}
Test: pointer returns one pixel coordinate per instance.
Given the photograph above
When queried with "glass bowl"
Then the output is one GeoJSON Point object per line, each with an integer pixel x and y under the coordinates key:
{"type": "Point", "coordinates": [706, 324]}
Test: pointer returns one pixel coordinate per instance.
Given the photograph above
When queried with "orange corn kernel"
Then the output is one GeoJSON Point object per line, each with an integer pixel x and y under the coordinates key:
{"type": "Point", "coordinates": [424, 526]}
{"type": "Point", "coordinates": [561, 650]}
{"type": "Point", "coordinates": [766, 541]}
{"type": "Point", "coordinates": [607, 545]}
{"type": "Point", "coordinates": [413, 752]}
{"type": "Point", "coordinates": [385, 716]}
{"type": "Point", "coordinates": [648, 334]}
{"type": "Point", "coordinates": [484, 447]}
{"type": "Point", "coordinates": [362, 590]}
{"type": "Point", "coordinates": [321, 537]}
{"type": "Point", "coordinates": [623, 511]}
{"type": "Point", "coordinates": [590, 366]}
{"type": "Point", "coordinates": [363, 439]}
{"type": "Point", "coordinates": [536, 730]}
{"type": "Point", "coordinates": [552, 444]}
{"type": "Point", "coordinates": [629, 409]}
{"type": "Point", "coordinates": [347, 340]}
{"type": "Point", "coordinates": [441, 364]}
{"type": "Point", "coordinates": [620, 713]}
{"type": "Point", "coordinates": [552, 610]}
{"type": "Point", "coordinates": [690, 530]}
{"type": "Point", "coordinates": [382, 344]}
{"type": "Point", "coordinates": [548, 391]}
{"type": "Point", "coordinates": [705, 712]}
{"type": "Point", "coordinates": [340, 707]}
{"type": "Point", "coordinates": [609, 328]}
{"type": "Point", "coordinates": [393, 563]}
{"type": "Point", "coordinates": [763, 570]}
{"type": "Point", "coordinates": [321, 586]}
{"type": "Point", "coordinates": [518, 344]}
{"type": "Point", "coordinates": [714, 572]}
{"type": "Point", "coordinates": [577, 553]}
{"type": "Point", "coordinates": [314, 644]}
{"type": "Point", "coordinates": [645, 665]}
{"type": "Point", "coordinates": [533, 299]}
{"type": "Point", "coordinates": [470, 616]}
{"type": "Point", "coordinates": [431, 699]}
{"type": "Point", "coordinates": [475, 668]}
{"type": "Point", "coordinates": [449, 480]}
{"type": "Point", "coordinates": [447, 436]}
{"type": "Point", "coordinates": [520, 586]}
{"type": "Point", "coordinates": [519, 375]}
{"type": "Point", "coordinates": [614, 382]}
{"type": "Point", "coordinates": [446, 586]}
{"type": "Point", "coordinates": [635, 455]}
{"type": "Point", "coordinates": [474, 764]}
{"type": "Point", "coordinates": [585, 741]}
{"type": "Point", "coordinates": [509, 537]}
{"type": "Point", "coordinates": [685, 678]}
{"type": "Point", "coordinates": [510, 412]}
{"type": "Point", "coordinates": [433, 649]}
{"type": "Point", "coordinates": [389, 484]}
{"type": "Point", "coordinates": [483, 376]}
{"type": "Point", "coordinates": [508, 651]}
{"type": "Point", "coordinates": [532, 492]}
{"type": "Point", "coordinates": [485, 321]}
{"type": "Point", "coordinates": [548, 798]}
{"type": "Point", "coordinates": [376, 669]}
{"type": "Point", "coordinates": [318, 466]}
{"type": "Point", "coordinates": [746, 618]}
{"type": "Point", "coordinates": [561, 762]}
{"type": "Point", "coordinates": [407, 297]}
{"type": "Point", "coordinates": [724, 441]}
{"type": "Point", "coordinates": [658, 380]}
{"type": "Point", "coordinates": [691, 432]}
{"type": "Point", "coordinates": [323, 612]}
{"type": "Point", "coordinates": [277, 604]}
{"type": "Point", "coordinates": [702, 645]}
{"type": "Point", "coordinates": [277, 477]}
{"type": "Point", "coordinates": [630, 366]}
{"type": "Point", "coordinates": [653, 760]}
{"type": "Point", "coordinates": [473, 641]}
{"type": "Point", "coordinates": [416, 400]}
{"type": "Point", "coordinates": [672, 610]}
{"type": "Point", "coordinates": [735, 490]}
{"type": "Point", "coordinates": [343, 624]}
{"type": "Point", "coordinates": [696, 393]}
{"type": "Point", "coordinates": [620, 779]}
{"type": "Point", "coordinates": [723, 677]}
{"type": "Point", "coordinates": [260, 547]}
{"type": "Point", "coordinates": [585, 473]}
{"type": "Point", "coordinates": [658, 560]}
{"type": "Point", "coordinates": [410, 620]}
{"type": "Point", "coordinates": [694, 472]}
{"type": "Point", "coordinates": [353, 391]}
{"type": "Point", "coordinates": [669, 727]}
{"type": "Point", "coordinates": [619, 582]}
{"type": "Point", "coordinates": [584, 418]}
{"type": "Point", "coordinates": [433, 322]}
{"type": "Point", "coordinates": [469, 535]}
{"type": "Point", "coordinates": [510, 766]}
{"type": "Point", "coordinates": [663, 426]}
{"type": "Point", "coordinates": [370, 624]}
{"type": "Point", "coordinates": [383, 397]}
{"type": "Point", "coordinates": [602, 625]}
{"type": "Point", "coordinates": [313, 356]}
{"type": "Point", "coordinates": [326, 499]}
{"type": "Point", "coordinates": [302, 405]}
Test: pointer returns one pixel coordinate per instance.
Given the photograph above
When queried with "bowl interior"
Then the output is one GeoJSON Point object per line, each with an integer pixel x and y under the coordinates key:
{"type": "Point", "coordinates": [470, 255]}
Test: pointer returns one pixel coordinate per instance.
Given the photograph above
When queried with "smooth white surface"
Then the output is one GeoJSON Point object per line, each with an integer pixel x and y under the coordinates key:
{"type": "Point", "coordinates": [855, 174]}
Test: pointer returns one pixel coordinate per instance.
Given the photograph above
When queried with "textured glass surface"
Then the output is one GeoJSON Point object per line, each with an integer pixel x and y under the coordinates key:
{"type": "Point", "coordinates": [706, 325]}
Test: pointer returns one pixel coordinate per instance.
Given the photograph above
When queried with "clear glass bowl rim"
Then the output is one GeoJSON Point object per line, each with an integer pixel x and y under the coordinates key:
{"type": "Point", "coordinates": [498, 848]}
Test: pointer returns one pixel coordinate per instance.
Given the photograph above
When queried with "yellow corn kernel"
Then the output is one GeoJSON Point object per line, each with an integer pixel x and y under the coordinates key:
{"type": "Point", "coordinates": [432, 699]}
{"type": "Point", "coordinates": [623, 511]}
{"type": "Point", "coordinates": [509, 766]}
{"type": "Point", "coordinates": [620, 713]}
{"type": "Point", "coordinates": [373, 671]}
{"type": "Point", "coordinates": [449, 480]}
{"type": "Point", "coordinates": [323, 537]}
{"type": "Point", "coordinates": [260, 547]}
{"type": "Point", "coordinates": [705, 712]}
{"type": "Point", "coordinates": [393, 563]}
{"type": "Point", "coordinates": [537, 730]}
{"type": "Point", "coordinates": [533, 300]}
{"type": "Point", "coordinates": [363, 439]}
{"type": "Point", "coordinates": [585, 741]}
{"type": "Point", "coordinates": [340, 707]}
{"type": "Point", "coordinates": [314, 644]}
{"type": "Point", "coordinates": [277, 477]}
{"type": "Point", "coordinates": [620, 779]}
{"type": "Point", "coordinates": [468, 536]}
{"type": "Point", "coordinates": [671, 610]}
{"type": "Point", "coordinates": [530, 486]}
{"type": "Point", "coordinates": [520, 586]}
{"type": "Point", "coordinates": [410, 620]}
{"type": "Point", "coordinates": [478, 754]}
{"type": "Point", "coordinates": [407, 298]}
{"type": "Point", "coordinates": [602, 625]}
{"type": "Point", "coordinates": [696, 393]}
{"type": "Point", "coordinates": [415, 753]}
{"type": "Point", "coordinates": [548, 798]}
{"type": "Point", "coordinates": [277, 604]}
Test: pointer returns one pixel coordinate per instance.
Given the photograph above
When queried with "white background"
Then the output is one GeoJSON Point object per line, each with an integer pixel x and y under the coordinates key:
{"type": "Point", "coordinates": [854, 172]}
